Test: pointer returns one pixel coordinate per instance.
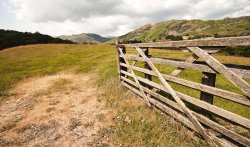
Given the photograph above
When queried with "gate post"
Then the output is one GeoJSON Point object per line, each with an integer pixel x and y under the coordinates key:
{"type": "Point", "coordinates": [120, 60]}
{"type": "Point", "coordinates": [146, 66]}
{"type": "Point", "coordinates": [207, 79]}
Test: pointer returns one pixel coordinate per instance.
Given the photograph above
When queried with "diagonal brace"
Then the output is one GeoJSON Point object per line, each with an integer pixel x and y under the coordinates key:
{"type": "Point", "coordinates": [189, 114]}
{"type": "Point", "coordinates": [135, 78]}
{"type": "Point", "coordinates": [191, 59]}
{"type": "Point", "coordinates": [222, 69]}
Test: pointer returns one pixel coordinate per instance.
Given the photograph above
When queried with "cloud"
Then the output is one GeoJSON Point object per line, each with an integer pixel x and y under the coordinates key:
{"type": "Point", "coordinates": [61, 10]}
{"type": "Point", "coordinates": [113, 17]}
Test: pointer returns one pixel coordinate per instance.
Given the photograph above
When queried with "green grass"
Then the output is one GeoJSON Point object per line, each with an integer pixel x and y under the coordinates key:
{"type": "Point", "coordinates": [26, 61]}
{"type": "Point", "coordinates": [147, 127]}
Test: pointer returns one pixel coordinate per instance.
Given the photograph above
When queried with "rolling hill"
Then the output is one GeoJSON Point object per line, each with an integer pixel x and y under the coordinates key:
{"type": "Point", "coordinates": [192, 29]}
{"type": "Point", "coordinates": [85, 38]}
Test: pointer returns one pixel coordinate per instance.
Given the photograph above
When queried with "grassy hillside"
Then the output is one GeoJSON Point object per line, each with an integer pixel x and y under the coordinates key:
{"type": "Point", "coordinates": [192, 28]}
{"type": "Point", "coordinates": [147, 127]}
{"type": "Point", "coordinates": [10, 38]}
{"type": "Point", "coordinates": [85, 38]}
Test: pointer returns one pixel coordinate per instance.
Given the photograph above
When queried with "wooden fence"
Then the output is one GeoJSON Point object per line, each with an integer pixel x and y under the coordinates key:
{"type": "Point", "coordinates": [197, 114]}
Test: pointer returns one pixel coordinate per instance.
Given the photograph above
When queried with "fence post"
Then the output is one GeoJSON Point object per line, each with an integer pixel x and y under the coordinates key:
{"type": "Point", "coordinates": [146, 66]}
{"type": "Point", "coordinates": [121, 60]}
{"type": "Point", "coordinates": [207, 79]}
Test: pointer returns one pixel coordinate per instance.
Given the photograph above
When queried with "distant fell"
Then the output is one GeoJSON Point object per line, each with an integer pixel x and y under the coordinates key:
{"type": "Point", "coordinates": [188, 29]}
{"type": "Point", "coordinates": [85, 38]}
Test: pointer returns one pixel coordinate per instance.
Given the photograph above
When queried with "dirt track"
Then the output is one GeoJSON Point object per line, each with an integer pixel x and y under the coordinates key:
{"type": "Point", "coordinates": [56, 110]}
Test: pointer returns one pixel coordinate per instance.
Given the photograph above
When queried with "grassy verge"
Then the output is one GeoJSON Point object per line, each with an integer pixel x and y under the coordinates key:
{"type": "Point", "coordinates": [135, 124]}
{"type": "Point", "coordinates": [138, 125]}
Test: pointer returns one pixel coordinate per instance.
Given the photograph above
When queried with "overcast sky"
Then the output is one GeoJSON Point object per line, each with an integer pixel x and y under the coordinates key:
{"type": "Point", "coordinates": [109, 17]}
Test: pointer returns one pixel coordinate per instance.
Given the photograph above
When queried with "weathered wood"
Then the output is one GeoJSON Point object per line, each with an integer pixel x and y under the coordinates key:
{"type": "Point", "coordinates": [134, 62]}
{"type": "Point", "coordinates": [217, 127]}
{"type": "Point", "coordinates": [146, 66]}
{"type": "Point", "coordinates": [166, 109]}
{"type": "Point", "coordinates": [207, 79]}
{"type": "Point", "coordinates": [175, 114]}
{"type": "Point", "coordinates": [231, 96]}
{"type": "Point", "coordinates": [191, 59]}
{"type": "Point", "coordinates": [134, 76]}
{"type": "Point", "coordinates": [173, 63]}
{"type": "Point", "coordinates": [215, 64]}
{"type": "Point", "coordinates": [217, 42]}
{"type": "Point", "coordinates": [191, 117]}
{"type": "Point", "coordinates": [153, 93]}
{"type": "Point", "coordinates": [118, 63]}
{"type": "Point", "coordinates": [181, 64]}
{"type": "Point", "coordinates": [121, 60]}
{"type": "Point", "coordinates": [210, 50]}
{"type": "Point", "coordinates": [232, 117]}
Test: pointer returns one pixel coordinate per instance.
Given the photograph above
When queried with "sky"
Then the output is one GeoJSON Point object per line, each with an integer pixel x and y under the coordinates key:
{"type": "Point", "coordinates": [109, 17]}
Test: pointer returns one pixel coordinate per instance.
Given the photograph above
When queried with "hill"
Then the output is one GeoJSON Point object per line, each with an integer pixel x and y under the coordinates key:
{"type": "Point", "coordinates": [191, 29]}
{"type": "Point", "coordinates": [85, 38]}
{"type": "Point", "coordinates": [9, 38]}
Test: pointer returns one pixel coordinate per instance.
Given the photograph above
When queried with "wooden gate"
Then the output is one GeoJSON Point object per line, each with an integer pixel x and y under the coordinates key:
{"type": "Point", "coordinates": [198, 114]}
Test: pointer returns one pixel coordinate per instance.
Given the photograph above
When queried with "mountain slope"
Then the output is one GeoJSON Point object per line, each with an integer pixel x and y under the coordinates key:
{"type": "Point", "coordinates": [9, 38]}
{"type": "Point", "coordinates": [85, 38]}
{"type": "Point", "coordinates": [192, 28]}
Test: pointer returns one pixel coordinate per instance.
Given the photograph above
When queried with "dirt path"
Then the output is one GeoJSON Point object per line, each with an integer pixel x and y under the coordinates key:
{"type": "Point", "coordinates": [56, 110]}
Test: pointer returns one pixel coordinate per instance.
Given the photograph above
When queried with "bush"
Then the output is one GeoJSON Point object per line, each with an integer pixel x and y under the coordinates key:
{"type": "Point", "coordinates": [237, 51]}
{"type": "Point", "coordinates": [174, 38]}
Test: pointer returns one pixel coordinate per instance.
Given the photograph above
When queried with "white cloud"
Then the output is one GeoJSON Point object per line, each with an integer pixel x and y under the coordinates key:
{"type": "Point", "coordinates": [112, 17]}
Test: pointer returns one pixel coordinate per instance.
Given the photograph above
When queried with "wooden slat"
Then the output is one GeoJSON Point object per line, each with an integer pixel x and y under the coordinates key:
{"type": "Point", "coordinates": [181, 64]}
{"type": "Point", "coordinates": [168, 110]}
{"type": "Point", "coordinates": [244, 122]}
{"type": "Point", "coordinates": [183, 119]}
{"type": "Point", "coordinates": [134, 62]}
{"type": "Point", "coordinates": [217, 42]}
{"type": "Point", "coordinates": [215, 64]}
{"type": "Point", "coordinates": [210, 50]}
{"type": "Point", "coordinates": [231, 96]}
{"type": "Point", "coordinates": [191, 117]}
{"type": "Point", "coordinates": [118, 62]}
{"type": "Point", "coordinates": [191, 59]}
{"type": "Point", "coordinates": [134, 76]}
{"type": "Point", "coordinates": [217, 127]}
{"type": "Point", "coordinates": [173, 63]}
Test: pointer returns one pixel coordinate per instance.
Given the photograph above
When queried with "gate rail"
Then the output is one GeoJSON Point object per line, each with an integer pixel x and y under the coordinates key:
{"type": "Point", "coordinates": [175, 105]}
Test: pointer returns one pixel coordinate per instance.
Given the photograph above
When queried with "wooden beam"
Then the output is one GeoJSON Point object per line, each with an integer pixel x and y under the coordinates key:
{"type": "Point", "coordinates": [216, 42]}
{"type": "Point", "coordinates": [198, 67]}
{"type": "Point", "coordinates": [146, 66]}
{"type": "Point", "coordinates": [135, 78]}
{"type": "Point", "coordinates": [231, 96]}
{"type": "Point", "coordinates": [217, 127]}
{"type": "Point", "coordinates": [120, 61]}
{"type": "Point", "coordinates": [191, 117]}
{"type": "Point", "coordinates": [118, 64]}
{"type": "Point", "coordinates": [207, 79]}
{"type": "Point", "coordinates": [244, 122]}
{"type": "Point", "coordinates": [191, 59]}
{"type": "Point", "coordinates": [222, 69]}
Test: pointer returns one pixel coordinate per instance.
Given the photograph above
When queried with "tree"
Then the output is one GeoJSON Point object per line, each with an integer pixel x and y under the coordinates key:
{"type": "Point", "coordinates": [9, 38]}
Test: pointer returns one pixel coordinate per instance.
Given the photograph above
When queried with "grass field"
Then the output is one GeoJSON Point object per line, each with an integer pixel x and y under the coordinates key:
{"type": "Point", "coordinates": [147, 127]}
